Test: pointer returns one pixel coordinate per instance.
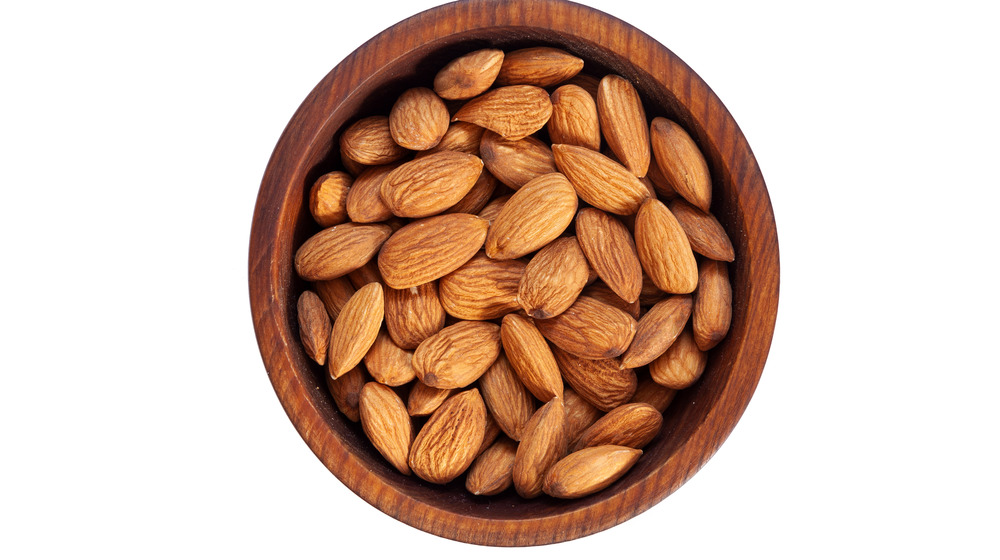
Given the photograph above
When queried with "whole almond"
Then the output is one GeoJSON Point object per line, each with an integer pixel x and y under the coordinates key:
{"type": "Point", "coordinates": [457, 355]}
{"type": "Point", "coordinates": [365, 274]}
{"type": "Point", "coordinates": [632, 425]}
{"type": "Point", "coordinates": [623, 122]}
{"type": "Point", "coordinates": [334, 293]}
{"type": "Point", "coordinates": [314, 326]}
{"type": "Point", "coordinates": [493, 470]}
{"type": "Point", "coordinates": [538, 66]}
{"type": "Point", "coordinates": [515, 162]}
{"type": "Point", "coordinates": [364, 201]}
{"type": "Point", "coordinates": [346, 392]}
{"type": "Point", "coordinates": [653, 394]}
{"type": "Point", "coordinates": [450, 440]}
{"type": "Point", "coordinates": [460, 137]}
{"type": "Point", "coordinates": [589, 470]}
{"type": "Point", "coordinates": [493, 208]}
{"type": "Point", "coordinates": [574, 118]}
{"type": "Point", "coordinates": [386, 423]}
{"type": "Point", "coordinates": [603, 383]}
{"type": "Point", "coordinates": [704, 232]}
{"type": "Point", "coordinates": [369, 142]}
{"type": "Point", "coordinates": [602, 293]}
{"type": "Point", "coordinates": [599, 180]}
{"type": "Point", "coordinates": [507, 399]}
{"type": "Point", "coordinates": [328, 198]}
{"type": "Point", "coordinates": [535, 215]}
{"type": "Point", "coordinates": [543, 443]}
{"type": "Point", "coordinates": [512, 111]}
{"type": "Point", "coordinates": [664, 250]}
{"type": "Point", "coordinates": [531, 357]}
{"type": "Point", "coordinates": [469, 75]}
{"type": "Point", "coordinates": [681, 365]}
{"type": "Point", "coordinates": [681, 162]}
{"type": "Point", "coordinates": [553, 279]}
{"type": "Point", "coordinates": [337, 250]}
{"type": "Point", "coordinates": [424, 400]}
{"type": "Point", "coordinates": [427, 249]}
{"type": "Point", "coordinates": [482, 288]}
{"type": "Point", "coordinates": [580, 414]}
{"type": "Point", "coordinates": [610, 251]}
{"type": "Point", "coordinates": [478, 196]}
{"type": "Point", "coordinates": [713, 305]}
{"type": "Point", "coordinates": [413, 314]}
{"type": "Point", "coordinates": [355, 329]}
{"type": "Point", "coordinates": [430, 185]}
{"type": "Point", "coordinates": [590, 329]}
{"type": "Point", "coordinates": [657, 330]}
{"type": "Point", "coordinates": [388, 363]}
{"type": "Point", "coordinates": [352, 167]}
{"type": "Point", "coordinates": [418, 119]}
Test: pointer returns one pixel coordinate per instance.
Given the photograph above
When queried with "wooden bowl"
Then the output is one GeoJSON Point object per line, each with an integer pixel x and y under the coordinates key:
{"type": "Point", "coordinates": [366, 83]}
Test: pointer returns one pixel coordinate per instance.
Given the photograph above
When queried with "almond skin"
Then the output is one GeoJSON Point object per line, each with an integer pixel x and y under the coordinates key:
{"type": "Point", "coordinates": [599, 180]}
{"type": "Point", "coordinates": [657, 330]}
{"type": "Point", "coordinates": [512, 111]}
{"type": "Point", "coordinates": [553, 279]}
{"type": "Point", "coordinates": [457, 355]}
{"type": "Point", "coordinates": [418, 119]}
{"type": "Point", "coordinates": [574, 118]}
{"type": "Point", "coordinates": [632, 425]}
{"type": "Point", "coordinates": [590, 329]}
{"type": "Point", "coordinates": [664, 250]}
{"type": "Point", "coordinates": [580, 414]}
{"type": "Point", "coordinates": [704, 232]}
{"type": "Point", "coordinates": [469, 75]}
{"type": "Point", "coordinates": [602, 293]}
{"type": "Point", "coordinates": [369, 142]}
{"type": "Point", "coordinates": [507, 399]}
{"type": "Point", "coordinates": [450, 440]}
{"type": "Point", "coordinates": [713, 305]}
{"type": "Point", "coordinates": [493, 470]}
{"type": "Point", "coordinates": [492, 433]}
{"type": "Point", "coordinates": [346, 392]}
{"type": "Point", "coordinates": [314, 326]}
{"type": "Point", "coordinates": [531, 357]}
{"type": "Point", "coordinates": [653, 394]}
{"type": "Point", "coordinates": [337, 250]}
{"type": "Point", "coordinates": [660, 183]}
{"type": "Point", "coordinates": [335, 293]}
{"type": "Point", "coordinates": [430, 185]}
{"type": "Point", "coordinates": [589, 470]}
{"type": "Point", "coordinates": [413, 314]}
{"type": "Point", "coordinates": [624, 124]}
{"type": "Point", "coordinates": [681, 365]}
{"type": "Point", "coordinates": [460, 137]}
{"type": "Point", "coordinates": [424, 400]}
{"type": "Point", "coordinates": [386, 423]}
{"type": "Point", "coordinates": [542, 445]}
{"type": "Point", "coordinates": [478, 196]}
{"type": "Point", "coordinates": [355, 329]}
{"type": "Point", "coordinates": [538, 66]}
{"type": "Point", "coordinates": [482, 289]}
{"type": "Point", "coordinates": [681, 162]}
{"type": "Point", "coordinates": [515, 162]}
{"type": "Point", "coordinates": [364, 275]}
{"type": "Point", "coordinates": [535, 215]}
{"type": "Point", "coordinates": [604, 383]}
{"type": "Point", "coordinates": [610, 251]}
{"type": "Point", "coordinates": [427, 249]}
{"type": "Point", "coordinates": [364, 201]}
{"type": "Point", "coordinates": [389, 364]}
{"type": "Point", "coordinates": [493, 208]}
{"type": "Point", "coordinates": [328, 198]}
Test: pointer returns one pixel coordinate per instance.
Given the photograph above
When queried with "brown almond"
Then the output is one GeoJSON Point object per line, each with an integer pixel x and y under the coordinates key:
{"type": "Point", "coordinates": [413, 314]}
{"type": "Point", "coordinates": [511, 111]}
{"type": "Point", "coordinates": [491, 434]}
{"type": "Point", "coordinates": [599, 180]}
{"type": "Point", "coordinates": [713, 305]}
{"type": "Point", "coordinates": [418, 119]}
{"type": "Point", "coordinates": [580, 414]}
{"type": "Point", "coordinates": [574, 118]}
{"type": "Point", "coordinates": [653, 394]}
{"type": "Point", "coordinates": [611, 252]}
{"type": "Point", "coordinates": [369, 142]}
{"type": "Point", "coordinates": [482, 289]}
{"type": "Point", "coordinates": [664, 250]}
{"type": "Point", "coordinates": [430, 185]}
{"type": "Point", "coordinates": [478, 196]}
{"type": "Point", "coordinates": [469, 75]}
{"type": "Point", "coordinates": [623, 123]}
{"type": "Point", "coordinates": [355, 329]}
{"type": "Point", "coordinates": [366, 274]}
{"type": "Point", "coordinates": [507, 399]}
{"type": "Point", "coordinates": [650, 294]}
{"type": "Point", "coordinates": [590, 329]}
{"type": "Point", "coordinates": [515, 162]}
{"type": "Point", "coordinates": [493, 470]}
{"type": "Point", "coordinates": [704, 232]}
{"type": "Point", "coordinates": [681, 162]}
{"type": "Point", "coordinates": [314, 326]}
{"type": "Point", "coordinates": [602, 293]}
{"type": "Point", "coordinates": [631, 424]}
{"type": "Point", "coordinates": [450, 440]}
{"type": "Point", "coordinates": [681, 365]}
{"type": "Point", "coordinates": [538, 66]}
{"type": "Point", "coordinates": [603, 383]}
{"type": "Point", "coordinates": [657, 330]}
{"type": "Point", "coordinates": [352, 167]}
{"type": "Point", "coordinates": [337, 250]}
{"type": "Point", "coordinates": [543, 443]}
{"type": "Point", "coordinates": [334, 293]}
{"type": "Point", "coordinates": [328, 198]}
{"type": "Point", "coordinates": [535, 215]}
{"type": "Point", "coordinates": [386, 423]}
{"type": "Point", "coordinates": [461, 137]}
{"type": "Point", "coordinates": [531, 357]}
{"type": "Point", "coordinates": [660, 183]}
{"type": "Point", "coordinates": [493, 208]}
{"type": "Point", "coordinates": [553, 279]}
{"type": "Point", "coordinates": [424, 400]}
{"type": "Point", "coordinates": [388, 363]}
{"type": "Point", "coordinates": [588, 82]}
{"type": "Point", "coordinates": [427, 249]}
{"type": "Point", "coordinates": [364, 201]}
{"type": "Point", "coordinates": [346, 392]}
{"type": "Point", "coordinates": [457, 355]}
{"type": "Point", "coordinates": [589, 470]}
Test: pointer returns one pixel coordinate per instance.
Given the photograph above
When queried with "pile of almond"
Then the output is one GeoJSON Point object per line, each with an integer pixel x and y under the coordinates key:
{"type": "Point", "coordinates": [507, 284]}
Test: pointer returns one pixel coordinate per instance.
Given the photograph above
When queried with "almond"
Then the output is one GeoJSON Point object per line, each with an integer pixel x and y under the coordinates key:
{"type": "Point", "coordinates": [352, 167]}
{"type": "Point", "coordinates": [507, 399]}
{"type": "Point", "coordinates": [512, 111]}
{"type": "Point", "coordinates": [413, 314]}
{"type": "Point", "coordinates": [543, 443]}
{"type": "Point", "coordinates": [386, 423]}
{"type": "Point", "coordinates": [623, 122]}
{"type": "Point", "coordinates": [681, 365]}
{"type": "Point", "coordinates": [610, 251]}
{"type": "Point", "coordinates": [346, 392]}
{"type": "Point", "coordinates": [664, 250]}
{"type": "Point", "coordinates": [681, 162]}
{"type": "Point", "coordinates": [450, 440]}
{"type": "Point", "coordinates": [482, 288]}
{"type": "Point", "coordinates": [531, 357]}
{"type": "Point", "coordinates": [424, 400]}
{"type": "Point", "coordinates": [538, 66]}
{"type": "Point", "coordinates": [369, 142]}
{"type": "Point", "coordinates": [493, 208]}
{"type": "Point", "coordinates": [632, 425]}
{"type": "Point", "coordinates": [478, 196]}
{"type": "Point", "coordinates": [589, 470]}
{"type": "Point", "coordinates": [574, 118]}
{"type": "Point", "coordinates": [657, 330]}
{"type": "Point", "coordinates": [366, 274]}
{"type": "Point", "coordinates": [355, 329]}
{"type": "Point", "coordinates": [493, 471]}
{"type": "Point", "coordinates": [590, 329]}
{"type": "Point", "coordinates": [491, 434]}
{"type": "Point", "coordinates": [515, 162]}
{"type": "Point", "coordinates": [660, 183]}
{"type": "Point", "coordinates": [334, 293]}
{"type": "Point", "coordinates": [653, 394]}
{"type": "Point", "coordinates": [427, 249]}
{"type": "Point", "coordinates": [314, 326]}
{"type": "Point", "coordinates": [469, 75]}
{"type": "Point", "coordinates": [588, 82]}
{"type": "Point", "coordinates": [430, 185]}
{"type": "Point", "coordinates": [650, 294]}
{"type": "Point", "coordinates": [599, 180]}
{"type": "Point", "coordinates": [602, 293]}
{"type": "Point", "coordinates": [704, 232]}
{"type": "Point", "coordinates": [535, 215]}
{"type": "Point", "coordinates": [580, 414]}
{"type": "Point", "coordinates": [457, 355]}
{"type": "Point", "coordinates": [553, 279]}
{"type": "Point", "coordinates": [337, 250]}
{"type": "Point", "coordinates": [418, 119]}
{"type": "Point", "coordinates": [461, 137]}
{"type": "Point", "coordinates": [328, 198]}
{"type": "Point", "coordinates": [364, 201]}
{"type": "Point", "coordinates": [389, 364]}
{"type": "Point", "coordinates": [713, 305]}
{"type": "Point", "coordinates": [603, 383]}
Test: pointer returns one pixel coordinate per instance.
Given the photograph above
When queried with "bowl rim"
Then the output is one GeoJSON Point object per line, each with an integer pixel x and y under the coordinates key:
{"type": "Point", "coordinates": [270, 265]}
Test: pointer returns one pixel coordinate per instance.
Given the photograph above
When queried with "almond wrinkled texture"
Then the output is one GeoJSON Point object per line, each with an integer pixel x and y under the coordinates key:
{"type": "Point", "coordinates": [603, 383]}
{"type": "Point", "coordinates": [388, 363]}
{"type": "Point", "coordinates": [574, 118]}
{"type": "Point", "coordinates": [337, 250]}
{"type": "Point", "coordinates": [535, 215]}
{"type": "Point", "coordinates": [599, 180]}
{"type": "Point", "coordinates": [653, 394]}
{"type": "Point", "coordinates": [450, 440]}
{"type": "Point", "coordinates": [657, 330]}
{"type": "Point", "coordinates": [478, 196]}
{"type": "Point", "coordinates": [386, 423]}
{"type": "Point", "coordinates": [538, 66]}
{"type": "Point", "coordinates": [507, 399]}
{"type": "Point", "coordinates": [602, 293]}
{"type": "Point", "coordinates": [580, 414]}
{"type": "Point", "coordinates": [590, 329]}
{"type": "Point", "coordinates": [364, 201]}
{"type": "Point", "coordinates": [418, 119]}
{"type": "Point", "coordinates": [664, 250]}
{"type": "Point", "coordinates": [335, 293]}
{"type": "Point", "coordinates": [346, 392]}
{"type": "Point", "coordinates": [369, 142]}
{"type": "Point", "coordinates": [553, 279]}
{"type": "Point", "coordinates": [681, 365]}
{"type": "Point", "coordinates": [713, 305]}
{"type": "Point", "coordinates": [355, 329]}
{"type": "Point", "coordinates": [457, 355]}
{"type": "Point", "coordinates": [623, 123]}
{"type": "Point", "coordinates": [531, 357]}
{"type": "Point", "coordinates": [704, 232]}
{"type": "Point", "coordinates": [328, 198]}
{"type": "Point", "coordinates": [424, 400]}
{"type": "Point", "coordinates": [352, 167]}
{"type": "Point", "coordinates": [427, 249]}
{"type": "Point", "coordinates": [611, 252]}
{"type": "Point", "coordinates": [632, 425]}
{"type": "Point", "coordinates": [589, 470]}
{"type": "Point", "coordinates": [482, 288]}
{"type": "Point", "coordinates": [461, 137]}
{"type": "Point", "coordinates": [469, 75]}
{"type": "Point", "coordinates": [515, 162]}
{"type": "Point", "coordinates": [512, 111]}
{"type": "Point", "coordinates": [543, 443]}
{"type": "Point", "coordinates": [314, 326]}
{"type": "Point", "coordinates": [413, 314]}
{"type": "Point", "coordinates": [681, 162]}
{"type": "Point", "coordinates": [429, 185]}
{"type": "Point", "coordinates": [493, 471]}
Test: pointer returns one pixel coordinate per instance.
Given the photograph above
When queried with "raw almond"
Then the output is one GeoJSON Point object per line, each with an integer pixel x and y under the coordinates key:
{"type": "Point", "coordinates": [632, 425]}
{"type": "Point", "coordinates": [352, 167]}
{"type": "Point", "coordinates": [334, 293]}
{"type": "Point", "coordinates": [461, 137]}
{"type": "Point", "coordinates": [366, 274]}
{"type": "Point", "coordinates": [515, 162]}
{"type": "Point", "coordinates": [482, 288]}
{"type": "Point", "coordinates": [681, 365]}
{"type": "Point", "coordinates": [355, 329]}
{"type": "Point", "coordinates": [512, 111]}
{"type": "Point", "coordinates": [531, 357]}
{"type": "Point", "coordinates": [314, 326]}
{"type": "Point", "coordinates": [337, 250]}
{"type": "Point", "coordinates": [664, 250]}
{"type": "Point", "coordinates": [386, 423]}
{"type": "Point", "coordinates": [535, 215]}
{"type": "Point", "coordinates": [574, 118]}
{"type": "Point", "coordinates": [369, 142]}
{"type": "Point", "coordinates": [424, 400]}
{"type": "Point", "coordinates": [657, 330]}
{"type": "Point", "coordinates": [624, 124]}
{"type": "Point", "coordinates": [427, 249]}
{"type": "Point", "coordinates": [493, 471]}
{"type": "Point", "coordinates": [704, 232]}
{"type": "Point", "coordinates": [553, 279]}
{"type": "Point", "coordinates": [590, 329]}
{"type": "Point", "coordinates": [389, 364]}
{"type": "Point", "coordinates": [713, 305]}
{"type": "Point", "coordinates": [418, 119]}
{"type": "Point", "coordinates": [602, 293]}
{"type": "Point", "coordinates": [589, 470]}
{"type": "Point", "coordinates": [507, 399]}
{"type": "Point", "coordinates": [328, 198]}
{"type": "Point", "coordinates": [603, 383]}
{"type": "Point", "coordinates": [413, 314]}
{"type": "Point", "coordinates": [538, 66]}
{"type": "Point", "coordinates": [469, 75]}
{"type": "Point", "coordinates": [450, 440]}
{"type": "Point", "coordinates": [610, 251]}
{"type": "Point", "coordinates": [346, 392]}
{"type": "Point", "coordinates": [430, 185]}
{"type": "Point", "coordinates": [653, 394]}
{"type": "Point", "coordinates": [543, 443]}
{"type": "Point", "coordinates": [599, 180]}
{"type": "Point", "coordinates": [457, 355]}
{"type": "Point", "coordinates": [580, 414]}
{"type": "Point", "coordinates": [364, 201]}
{"type": "Point", "coordinates": [478, 196]}
{"type": "Point", "coordinates": [681, 162]}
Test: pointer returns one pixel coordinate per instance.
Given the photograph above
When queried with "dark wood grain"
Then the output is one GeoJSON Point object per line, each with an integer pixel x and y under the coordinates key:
{"type": "Point", "coordinates": [366, 83]}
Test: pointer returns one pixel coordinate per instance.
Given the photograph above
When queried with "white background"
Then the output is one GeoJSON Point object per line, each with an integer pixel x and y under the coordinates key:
{"type": "Point", "coordinates": [136, 416]}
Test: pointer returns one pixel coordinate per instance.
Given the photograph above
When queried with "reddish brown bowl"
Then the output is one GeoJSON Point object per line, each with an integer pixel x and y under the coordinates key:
{"type": "Point", "coordinates": [365, 83]}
